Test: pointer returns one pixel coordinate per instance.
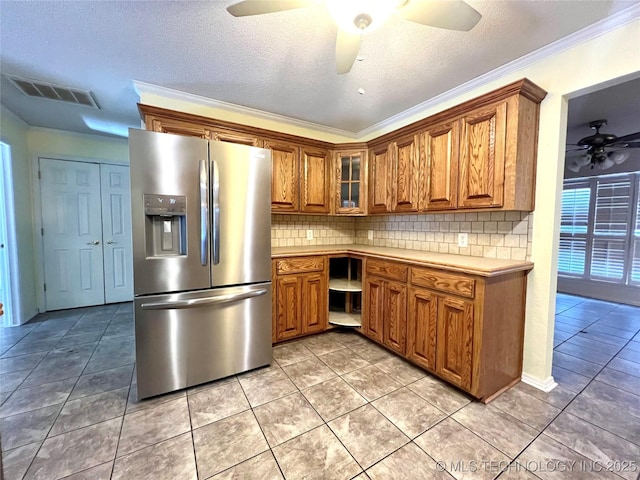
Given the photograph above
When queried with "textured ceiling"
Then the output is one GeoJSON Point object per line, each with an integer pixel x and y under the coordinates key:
{"type": "Point", "coordinates": [281, 63]}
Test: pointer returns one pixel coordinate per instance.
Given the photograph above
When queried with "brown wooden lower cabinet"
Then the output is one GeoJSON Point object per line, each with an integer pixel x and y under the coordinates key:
{"type": "Point", "coordinates": [301, 298]}
{"type": "Point", "coordinates": [421, 327]}
{"type": "Point", "coordinates": [454, 351]}
{"type": "Point", "coordinates": [466, 329]}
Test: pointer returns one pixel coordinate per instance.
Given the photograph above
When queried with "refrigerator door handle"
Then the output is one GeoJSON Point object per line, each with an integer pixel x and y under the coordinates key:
{"type": "Point", "coordinates": [216, 213]}
{"type": "Point", "coordinates": [204, 213]}
{"type": "Point", "coordinates": [200, 302]}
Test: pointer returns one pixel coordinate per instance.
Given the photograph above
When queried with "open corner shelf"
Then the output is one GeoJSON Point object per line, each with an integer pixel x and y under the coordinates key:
{"type": "Point", "coordinates": [344, 319]}
{"type": "Point", "coordinates": [345, 285]}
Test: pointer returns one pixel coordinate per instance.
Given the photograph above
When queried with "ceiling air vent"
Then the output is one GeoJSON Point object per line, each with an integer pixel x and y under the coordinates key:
{"type": "Point", "coordinates": [35, 88]}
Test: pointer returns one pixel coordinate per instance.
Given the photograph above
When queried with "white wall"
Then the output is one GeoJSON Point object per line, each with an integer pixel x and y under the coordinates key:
{"type": "Point", "coordinates": [47, 142]}
{"type": "Point", "coordinates": [27, 145]}
{"type": "Point", "coordinates": [14, 133]}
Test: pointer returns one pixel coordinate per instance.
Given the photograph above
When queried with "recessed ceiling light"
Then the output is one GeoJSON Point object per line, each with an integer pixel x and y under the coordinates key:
{"type": "Point", "coordinates": [361, 91]}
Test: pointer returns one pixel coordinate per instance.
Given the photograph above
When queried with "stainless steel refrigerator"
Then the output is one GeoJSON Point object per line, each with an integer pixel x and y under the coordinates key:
{"type": "Point", "coordinates": [201, 213]}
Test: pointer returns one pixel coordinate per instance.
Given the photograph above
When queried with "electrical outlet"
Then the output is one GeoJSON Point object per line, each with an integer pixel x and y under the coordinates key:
{"type": "Point", "coordinates": [309, 234]}
{"type": "Point", "coordinates": [462, 239]}
{"type": "Point", "coordinates": [370, 234]}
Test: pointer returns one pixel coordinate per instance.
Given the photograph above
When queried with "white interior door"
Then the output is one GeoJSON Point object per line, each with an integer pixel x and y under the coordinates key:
{"type": "Point", "coordinates": [116, 233]}
{"type": "Point", "coordinates": [72, 233]}
{"type": "Point", "coordinates": [5, 270]}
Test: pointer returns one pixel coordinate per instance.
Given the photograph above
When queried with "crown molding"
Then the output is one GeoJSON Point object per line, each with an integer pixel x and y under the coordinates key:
{"type": "Point", "coordinates": [589, 32]}
{"type": "Point", "coordinates": [147, 88]}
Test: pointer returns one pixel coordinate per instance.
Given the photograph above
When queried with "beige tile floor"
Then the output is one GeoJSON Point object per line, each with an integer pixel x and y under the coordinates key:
{"type": "Point", "coordinates": [331, 406]}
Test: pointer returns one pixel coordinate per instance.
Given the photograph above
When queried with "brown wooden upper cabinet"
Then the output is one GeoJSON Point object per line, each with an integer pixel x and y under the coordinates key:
{"type": "Point", "coordinates": [380, 178]}
{"type": "Point", "coordinates": [439, 175]}
{"type": "Point", "coordinates": [178, 127]}
{"type": "Point", "coordinates": [482, 157]}
{"type": "Point", "coordinates": [394, 176]}
{"type": "Point", "coordinates": [285, 181]}
{"type": "Point", "coordinates": [406, 171]}
{"type": "Point", "coordinates": [350, 182]}
{"type": "Point", "coordinates": [236, 137]}
{"type": "Point", "coordinates": [315, 181]}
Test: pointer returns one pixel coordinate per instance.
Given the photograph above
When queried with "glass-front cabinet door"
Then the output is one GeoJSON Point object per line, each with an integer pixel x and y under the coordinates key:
{"type": "Point", "coordinates": [350, 168]}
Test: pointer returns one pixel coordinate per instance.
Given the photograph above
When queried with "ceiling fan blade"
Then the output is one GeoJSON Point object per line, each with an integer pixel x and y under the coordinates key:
{"type": "Point", "coordinates": [449, 14]}
{"type": "Point", "coordinates": [626, 139]}
{"type": "Point", "coordinates": [633, 145]}
{"type": "Point", "coordinates": [347, 49]}
{"type": "Point", "coordinates": [259, 7]}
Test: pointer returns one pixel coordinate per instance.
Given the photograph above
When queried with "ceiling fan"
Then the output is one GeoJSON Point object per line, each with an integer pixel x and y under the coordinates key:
{"type": "Point", "coordinates": [602, 149]}
{"type": "Point", "coordinates": [357, 17]}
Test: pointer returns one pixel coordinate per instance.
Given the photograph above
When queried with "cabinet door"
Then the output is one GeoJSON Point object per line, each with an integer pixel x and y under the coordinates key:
{"type": "Point", "coordinates": [482, 157]}
{"type": "Point", "coordinates": [316, 178]}
{"type": "Point", "coordinates": [314, 303]}
{"type": "Point", "coordinates": [440, 145]}
{"type": "Point", "coordinates": [373, 308]}
{"type": "Point", "coordinates": [422, 327]}
{"type": "Point", "coordinates": [350, 190]}
{"type": "Point", "coordinates": [380, 177]}
{"type": "Point", "coordinates": [395, 316]}
{"type": "Point", "coordinates": [284, 177]}
{"type": "Point", "coordinates": [455, 341]}
{"type": "Point", "coordinates": [177, 127]}
{"type": "Point", "coordinates": [406, 173]}
{"type": "Point", "coordinates": [289, 294]}
{"type": "Point", "coordinates": [237, 137]}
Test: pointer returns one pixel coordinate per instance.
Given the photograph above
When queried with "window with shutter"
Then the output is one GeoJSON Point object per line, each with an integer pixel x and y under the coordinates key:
{"type": "Point", "coordinates": [634, 276]}
{"type": "Point", "coordinates": [600, 229]}
{"type": "Point", "coordinates": [574, 223]}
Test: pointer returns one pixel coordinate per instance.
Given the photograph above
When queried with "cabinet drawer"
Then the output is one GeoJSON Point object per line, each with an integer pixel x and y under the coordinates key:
{"type": "Point", "coordinates": [445, 282]}
{"type": "Point", "coordinates": [299, 265]}
{"type": "Point", "coordinates": [390, 270]}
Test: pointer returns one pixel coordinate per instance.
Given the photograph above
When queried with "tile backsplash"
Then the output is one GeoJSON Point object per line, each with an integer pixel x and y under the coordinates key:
{"type": "Point", "coordinates": [490, 234]}
{"type": "Point", "coordinates": [291, 230]}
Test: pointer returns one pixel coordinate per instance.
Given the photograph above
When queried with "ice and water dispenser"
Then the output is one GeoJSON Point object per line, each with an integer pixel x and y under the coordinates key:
{"type": "Point", "coordinates": [165, 225]}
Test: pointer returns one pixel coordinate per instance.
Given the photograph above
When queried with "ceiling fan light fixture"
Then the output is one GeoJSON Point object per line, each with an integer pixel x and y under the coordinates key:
{"type": "Point", "coordinates": [583, 160]}
{"type": "Point", "coordinates": [606, 163]}
{"type": "Point", "coordinates": [573, 166]}
{"type": "Point", "coordinates": [355, 16]}
{"type": "Point", "coordinates": [618, 157]}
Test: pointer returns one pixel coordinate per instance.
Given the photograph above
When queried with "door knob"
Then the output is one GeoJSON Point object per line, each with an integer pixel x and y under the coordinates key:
{"type": "Point", "coordinates": [95, 242]}
{"type": "Point", "coordinates": [111, 241]}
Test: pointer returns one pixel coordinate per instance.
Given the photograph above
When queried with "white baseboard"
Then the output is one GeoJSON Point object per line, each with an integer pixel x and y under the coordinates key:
{"type": "Point", "coordinates": [545, 385]}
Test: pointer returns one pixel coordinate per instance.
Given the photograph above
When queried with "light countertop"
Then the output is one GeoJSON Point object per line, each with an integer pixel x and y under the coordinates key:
{"type": "Point", "coordinates": [486, 267]}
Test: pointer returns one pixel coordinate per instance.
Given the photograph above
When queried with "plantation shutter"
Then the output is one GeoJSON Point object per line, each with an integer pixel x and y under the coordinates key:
{"type": "Point", "coordinates": [573, 229]}
{"type": "Point", "coordinates": [611, 228]}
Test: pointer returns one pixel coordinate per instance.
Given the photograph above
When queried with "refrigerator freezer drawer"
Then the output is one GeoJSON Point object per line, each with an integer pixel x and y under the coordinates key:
{"type": "Point", "coordinates": [186, 339]}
